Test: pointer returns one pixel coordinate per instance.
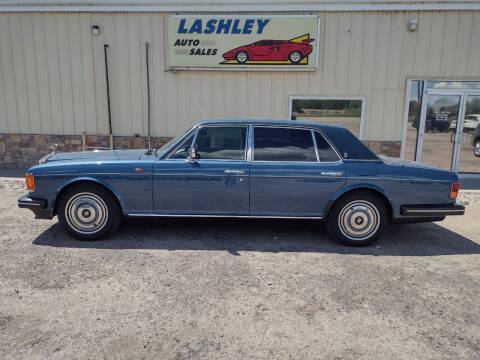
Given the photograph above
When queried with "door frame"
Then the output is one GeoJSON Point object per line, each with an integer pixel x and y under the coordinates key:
{"type": "Point", "coordinates": [463, 94]}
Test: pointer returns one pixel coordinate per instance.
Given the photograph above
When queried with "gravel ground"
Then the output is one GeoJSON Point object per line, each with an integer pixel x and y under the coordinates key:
{"type": "Point", "coordinates": [198, 289]}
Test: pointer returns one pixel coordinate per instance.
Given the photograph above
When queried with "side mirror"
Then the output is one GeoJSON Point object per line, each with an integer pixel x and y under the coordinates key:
{"type": "Point", "coordinates": [191, 155]}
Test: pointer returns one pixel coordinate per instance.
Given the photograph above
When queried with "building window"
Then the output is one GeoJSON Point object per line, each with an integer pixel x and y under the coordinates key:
{"type": "Point", "coordinates": [450, 113]}
{"type": "Point", "coordinates": [343, 111]}
{"type": "Point", "coordinates": [413, 119]}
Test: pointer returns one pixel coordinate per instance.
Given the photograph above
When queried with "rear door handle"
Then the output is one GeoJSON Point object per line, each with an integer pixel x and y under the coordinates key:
{"type": "Point", "coordinates": [235, 172]}
{"type": "Point", "coordinates": [332, 173]}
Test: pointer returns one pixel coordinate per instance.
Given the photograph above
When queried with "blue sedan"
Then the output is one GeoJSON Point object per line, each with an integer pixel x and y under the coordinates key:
{"type": "Point", "coordinates": [243, 168]}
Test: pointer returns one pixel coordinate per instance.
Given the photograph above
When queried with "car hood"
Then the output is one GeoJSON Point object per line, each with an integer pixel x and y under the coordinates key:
{"type": "Point", "coordinates": [107, 155]}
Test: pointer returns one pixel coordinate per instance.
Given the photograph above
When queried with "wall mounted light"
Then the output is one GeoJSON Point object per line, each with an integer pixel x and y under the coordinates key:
{"type": "Point", "coordinates": [95, 30]}
{"type": "Point", "coordinates": [412, 25]}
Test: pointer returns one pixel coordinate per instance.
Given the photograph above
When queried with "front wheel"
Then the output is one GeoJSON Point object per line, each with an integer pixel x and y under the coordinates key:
{"type": "Point", "coordinates": [242, 57]}
{"type": "Point", "coordinates": [89, 212]}
{"type": "Point", "coordinates": [357, 219]}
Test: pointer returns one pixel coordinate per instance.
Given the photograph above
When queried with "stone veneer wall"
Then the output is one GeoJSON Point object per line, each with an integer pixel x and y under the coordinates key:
{"type": "Point", "coordinates": [23, 151]}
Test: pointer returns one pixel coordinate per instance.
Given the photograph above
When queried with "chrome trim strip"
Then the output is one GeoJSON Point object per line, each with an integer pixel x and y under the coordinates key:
{"type": "Point", "coordinates": [250, 144]}
{"type": "Point", "coordinates": [199, 160]}
{"type": "Point", "coordinates": [74, 175]}
{"type": "Point", "coordinates": [229, 216]}
{"type": "Point", "coordinates": [285, 162]}
{"type": "Point", "coordinates": [365, 160]}
{"type": "Point", "coordinates": [315, 144]}
{"type": "Point", "coordinates": [223, 174]}
{"type": "Point", "coordinates": [445, 211]}
{"type": "Point", "coordinates": [299, 176]}
{"type": "Point", "coordinates": [395, 179]}
{"type": "Point", "coordinates": [28, 203]}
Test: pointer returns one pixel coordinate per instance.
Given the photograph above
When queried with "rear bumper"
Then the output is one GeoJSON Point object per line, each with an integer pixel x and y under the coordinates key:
{"type": "Point", "coordinates": [37, 206]}
{"type": "Point", "coordinates": [432, 210]}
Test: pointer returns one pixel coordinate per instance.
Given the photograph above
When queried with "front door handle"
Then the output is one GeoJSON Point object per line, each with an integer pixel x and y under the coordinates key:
{"type": "Point", "coordinates": [235, 172]}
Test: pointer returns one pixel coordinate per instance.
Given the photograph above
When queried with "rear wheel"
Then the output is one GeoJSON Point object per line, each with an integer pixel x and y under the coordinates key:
{"type": "Point", "coordinates": [295, 57]}
{"type": "Point", "coordinates": [89, 212]}
{"type": "Point", "coordinates": [357, 219]}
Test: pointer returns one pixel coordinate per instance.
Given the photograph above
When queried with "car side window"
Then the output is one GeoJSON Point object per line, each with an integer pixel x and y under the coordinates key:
{"type": "Point", "coordinates": [182, 151]}
{"type": "Point", "coordinates": [325, 151]}
{"type": "Point", "coordinates": [221, 142]}
{"type": "Point", "coordinates": [283, 144]}
{"type": "Point", "coordinates": [266, 42]}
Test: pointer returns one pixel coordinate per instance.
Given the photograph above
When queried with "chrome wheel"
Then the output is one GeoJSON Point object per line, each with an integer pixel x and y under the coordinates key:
{"type": "Point", "coordinates": [476, 149]}
{"type": "Point", "coordinates": [295, 57]}
{"type": "Point", "coordinates": [242, 57]}
{"type": "Point", "coordinates": [86, 213]}
{"type": "Point", "coordinates": [358, 220]}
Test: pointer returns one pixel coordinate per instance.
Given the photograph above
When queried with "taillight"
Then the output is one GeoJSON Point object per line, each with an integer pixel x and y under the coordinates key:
{"type": "Point", "coordinates": [454, 191]}
{"type": "Point", "coordinates": [30, 181]}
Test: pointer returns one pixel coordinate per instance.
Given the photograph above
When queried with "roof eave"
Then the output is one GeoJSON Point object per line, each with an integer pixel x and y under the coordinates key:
{"type": "Point", "coordinates": [232, 5]}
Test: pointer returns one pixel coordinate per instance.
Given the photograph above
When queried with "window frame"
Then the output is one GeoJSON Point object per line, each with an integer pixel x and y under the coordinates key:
{"type": "Point", "coordinates": [312, 133]}
{"type": "Point", "coordinates": [179, 144]}
{"type": "Point", "coordinates": [328, 97]}
{"type": "Point", "coordinates": [195, 134]}
{"type": "Point", "coordinates": [340, 158]}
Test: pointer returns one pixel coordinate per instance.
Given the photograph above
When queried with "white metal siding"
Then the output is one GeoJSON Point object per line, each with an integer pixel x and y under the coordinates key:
{"type": "Point", "coordinates": [52, 74]}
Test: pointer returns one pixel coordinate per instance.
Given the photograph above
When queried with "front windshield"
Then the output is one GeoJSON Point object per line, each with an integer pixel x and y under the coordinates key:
{"type": "Point", "coordinates": [165, 146]}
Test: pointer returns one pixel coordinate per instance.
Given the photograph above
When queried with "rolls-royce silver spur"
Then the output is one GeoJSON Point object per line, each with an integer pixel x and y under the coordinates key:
{"type": "Point", "coordinates": [243, 168]}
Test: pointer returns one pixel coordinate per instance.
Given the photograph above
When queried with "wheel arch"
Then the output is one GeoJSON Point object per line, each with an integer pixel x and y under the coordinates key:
{"type": "Point", "coordinates": [86, 180]}
{"type": "Point", "coordinates": [246, 51]}
{"type": "Point", "coordinates": [375, 190]}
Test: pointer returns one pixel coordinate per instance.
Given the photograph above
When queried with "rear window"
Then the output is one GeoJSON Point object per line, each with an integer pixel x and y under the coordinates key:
{"type": "Point", "coordinates": [283, 144]}
{"type": "Point", "coordinates": [349, 146]}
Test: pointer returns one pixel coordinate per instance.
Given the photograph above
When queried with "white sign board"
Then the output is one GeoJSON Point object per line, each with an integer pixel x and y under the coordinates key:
{"type": "Point", "coordinates": [243, 42]}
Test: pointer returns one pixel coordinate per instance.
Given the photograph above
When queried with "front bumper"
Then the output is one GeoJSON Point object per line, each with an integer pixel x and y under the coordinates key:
{"type": "Point", "coordinates": [432, 210]}
{"type": "Point", "coordinates": [38, 207]}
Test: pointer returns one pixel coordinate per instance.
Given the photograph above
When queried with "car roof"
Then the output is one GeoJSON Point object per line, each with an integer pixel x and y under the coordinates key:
{"type": "Point", "coordinates": [270, 122]}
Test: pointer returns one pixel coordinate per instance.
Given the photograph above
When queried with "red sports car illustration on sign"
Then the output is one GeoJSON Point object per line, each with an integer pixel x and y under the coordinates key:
{"type": "Point", "coordinates": [272, 51]}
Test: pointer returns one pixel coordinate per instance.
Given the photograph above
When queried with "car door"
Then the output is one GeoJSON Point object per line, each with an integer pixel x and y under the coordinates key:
{"type": "Point", "coordinates": [294, 172]}
{"type": "Point", "coordinates": [262, 49]}
{"type": "Point", "coordinates": [217, 183]}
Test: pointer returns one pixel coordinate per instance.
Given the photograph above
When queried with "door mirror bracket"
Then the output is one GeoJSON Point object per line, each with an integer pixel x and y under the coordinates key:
{"type": "Point", "coordinates": [192, 155]}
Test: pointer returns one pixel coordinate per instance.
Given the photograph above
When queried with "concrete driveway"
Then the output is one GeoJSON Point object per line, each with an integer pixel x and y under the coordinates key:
{"type": "Point", "coordinates": [237, 289]}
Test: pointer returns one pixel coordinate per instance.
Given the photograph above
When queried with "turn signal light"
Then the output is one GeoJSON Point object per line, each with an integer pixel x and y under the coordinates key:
{"type": "Point", "coordinates": [454, 191]}
{"type": "Point", "coordinates": [30, 181]}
